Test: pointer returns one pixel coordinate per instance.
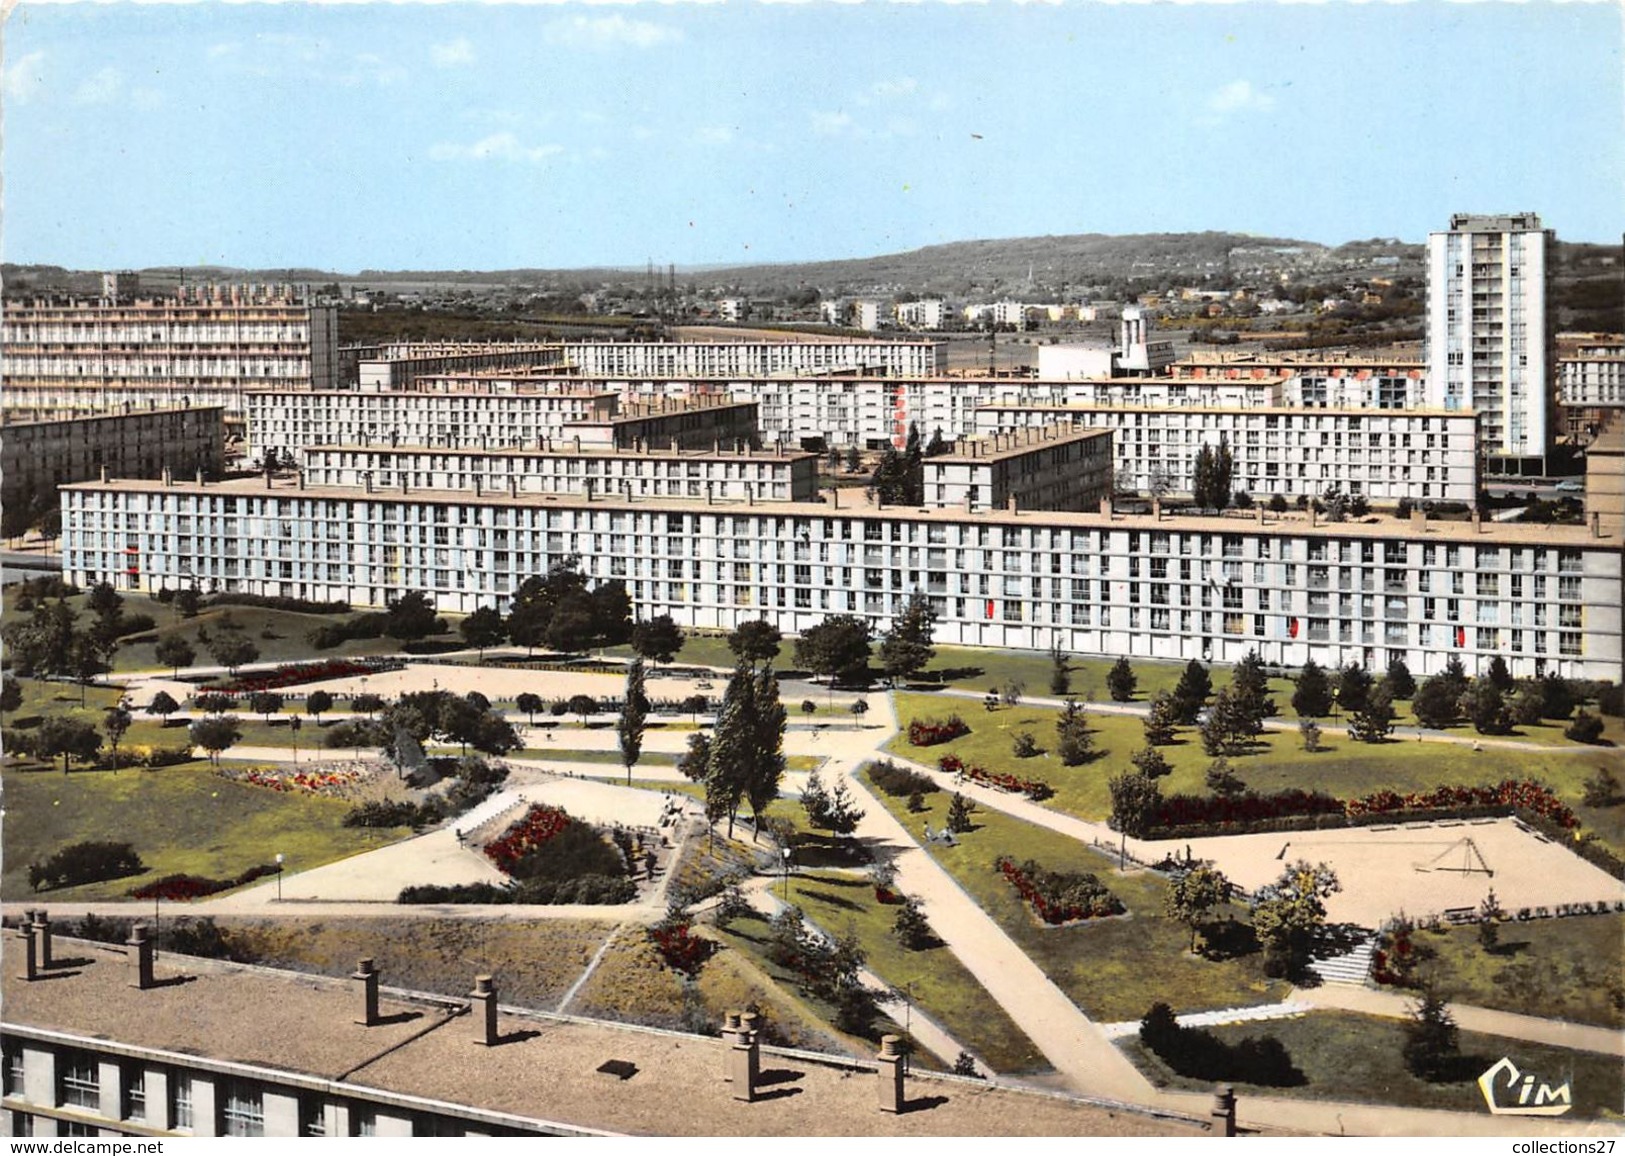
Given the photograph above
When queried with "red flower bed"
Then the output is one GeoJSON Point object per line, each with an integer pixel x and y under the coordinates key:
{"type": "Point", "coordinates": [887, 895]}
{"type": "Point", "coordinates": [182, 888]}
{"type": "Point", "coordinates": [681, 949]}
{"type": "Point", "coordinates": [538, 825]}
{"type": "Point", "coordinates": [294, 673]}
{"type": "Point", "coordinates": [1058, 897]}
{"type": "Point", "coordinates": [1221, 810]}
{"type": "Point", "coordinates": [929, 732]}
{"type": "Point", "coordinates": [310, 782]}
{"type": "Point", "coordinates": [1513, 794]}
{"type": "Point", "coordinates": [1035, 789]}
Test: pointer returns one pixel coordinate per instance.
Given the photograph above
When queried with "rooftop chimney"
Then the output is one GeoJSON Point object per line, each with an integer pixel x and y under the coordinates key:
{"type": "Point", "coordinates": [1478, 521]}
{"type": "Point", "coordinates": [745, 1064]}
{"type": "Point", "coordinates": [1419, 520]}
{"type": "Point", "coordinates": [200, 476]}
{"type": "Point", "coordinates": [141, 956]}
{"type": "Point", "coordinates": [41, 921]}
{"type": "Point", "coordinates": [1010, 503]}
{"type": "Point", "coordinates": [890, 1061]}
{"type": "Point", "coordinates": [30, 970]}
{"type": "Point", "coordinates": [366, 479]}
{"type": "Point", "coordinates": [367, 975]}
{"type": "Point", "coordinates": [1156, 509]}
{"type": "Point", "coordinates": [1224, 1110]}
{"type": "Point", "coordinates": [484, 996]}
{"type": "Point", "coordinates": [1106, 506]}
{"type": "Point", "coordinates": [104, 475]}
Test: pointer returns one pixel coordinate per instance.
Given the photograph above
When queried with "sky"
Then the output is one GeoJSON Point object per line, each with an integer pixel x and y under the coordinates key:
{"type": "Point", "coordinates": [562, 135]}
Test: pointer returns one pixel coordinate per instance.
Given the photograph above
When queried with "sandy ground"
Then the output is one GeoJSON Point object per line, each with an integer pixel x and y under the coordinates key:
{"type": "Point", "coordinates": [1421, 869]}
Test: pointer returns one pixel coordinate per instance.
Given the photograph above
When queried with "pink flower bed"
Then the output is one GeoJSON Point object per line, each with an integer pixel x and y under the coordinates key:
{"type": "Point", "coordinates": [1035, 789]}
{"type": "Point", "coordinates": [309, 782]}
{"type": "Point", "coordinates": [929, 732]}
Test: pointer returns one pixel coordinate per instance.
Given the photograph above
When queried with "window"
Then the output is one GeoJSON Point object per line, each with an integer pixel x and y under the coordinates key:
{"type": "Point", "coordinates": [78, 1081]}
{"type": "Point", "coordinates": [363, 1121]}
{"type": "Point", "coordinates": [180, 1100]}
{"type": "Point", "coordinates": [242, 1109]}
{"type": "Point", "coordinates": [133, 1092]}
{"type": "Point", "coordinates": [13, 1070]}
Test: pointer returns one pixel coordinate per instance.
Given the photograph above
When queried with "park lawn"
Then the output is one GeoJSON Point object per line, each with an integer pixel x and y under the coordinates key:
{"type": "Point", "coordinates": [1113, 969]}
{"type": "Point", "coordinates": [280, 635]}
{"type": "Point", "coordinates": [1347, 1056]}
{"type": "Point", "coordinates": [1555, 968]}
{"type": "Point", "coordinates": [180, 819]}
{"type": "Point", "coordinates": [933, 979]}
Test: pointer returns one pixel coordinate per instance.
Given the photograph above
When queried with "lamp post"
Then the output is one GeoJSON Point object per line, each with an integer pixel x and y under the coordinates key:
{"type": "Point", "coordinates": [279, 862]}
{"type": "Point", "coordinates": [785, 852]}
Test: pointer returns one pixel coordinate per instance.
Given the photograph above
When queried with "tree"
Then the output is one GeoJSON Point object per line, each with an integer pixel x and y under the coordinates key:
{"type": "Point", "coordinates": [911, 927]}
{"type": "Point", "coordinates": [634, 714]}
{"type": "Point", "coordinates": [575, 623]}
{"type": "Point", "coordinates": [1011, 694]}
{"type": "Point", "coordinates": [231, 648]}
{"type": "Point", "coordinates": [1401, 683]}
{"type": "Point", "coordinates": [1191, 694]}
{"type": "Point", "coordinates": [11, 694]}
{"type": "Point", "coordinates": [1060, 671]}
{"type": "Point", "coordinates": [1074, 741]}
{"type": "Point", "coordinates": [1136, 803]}
{"type": "Point", "coordinates": [1121, 681]}
{"type": "Point", "coordinates": [1585, 728]}
{"type": "Point", "coordinates": [1455, 674]}
{"type": "Point", "coordinates": [755, 642]}
{"type": "Point", "coordinates": [1486, 708]}
{"type": "Point", "coordinates": [1289, 914]}
{"type": "Point", "coordinates": [1602, 789]}
{"type": "Point", "coordinates": [1432, 1047]}
{"type": "Point", "coordinates": [1374, 722]}
{"type": "Point", "coordinates": [1228, 729]}
{"type": "Point", "coordinates": [1150, 763]}
{"type": "Point", "coordinates": [695, 762]}
{"type": "Point", "coordinates": [815, 800]}
{"type": "Point", "coordinates": [215, 735]}
{"type": "Point", "coordinates": [765, 770]}
{"type": "Point", "coordinates": [1222, 780]}
{"type": "Point", "coordinates": [1527, 704]}
{"type": "Point", "coordinates": [532, 605]}
{"type": "Point", "coordinates": [657, 639]}
{"type": "Point", "coordinates": [859, 708]}
{"type": "Point", "coordinates": [906, 648]}
{"type": "Point", "coordinates": [732, 747]}
{"type": "Point", "coordinates": [960, 810]}
{"type": "Point", "coordinates": [163, 705]}
{"type": "Point", "coordinates": [1160, 718]}
{"type": "Point", "coordinates": [1489, 921]}
{"type": "Point", "coordinates": [854, 459]}
{"type": "Point", "coordinates": [936, 447]}
{"type": "Point", "coordinates": [1498, 674]}
{"type": "Point", "coordinates": [582, 705]}
{"type": "Point", "coordinates": [1194, 893]}
{"type": "Point", "coordinates": [830, 810]}
{"type": "Point", "coordinates": [1312, 693]}
{"type": "Point", "coordinates": [1309, 734]}
{"type": "Point", "coordinates": [188, 601]}
{"type": "Point", "coordinates": [1353, 688]}
{"type": "Point", "coordinates": [104, 601]}
{"type": "Point", "coordinates": [411, 617]}
{"type": "Point", "coordinates": [1024, 746]}
{"type": "Point", "coordinates": [175, 652]}
{"type": "Point", "coordinates": [87, 660]}
{"type": "Point", "coordinates": [1560, 697]}
{"type": "Point", "coordinates": [837, 648]}
{"type": "Point", "coordinates": [213, 702]}
{"type": "Point", "coordinates": [263, 702]}
{"type": "Point", "coordinates": [69, 737]}
{"type": "Point", "coordinates": [1435, 704]}
{"type": "Point", "coordinates": [1211, 485]}
{"type": "Point", "coordinates": [116, 722]}
{"type": "Point", "coordinates": [483, 628]}
{"type": "Point", "coordinates": [694, 704]}
{"type": "Point", "coordinates": [611, 614]}
{"type": "Point", "coordinates": [317, 703]}
{"type": "Point", "coordinates": [528, 704]}
{"type": "Point", "coordinates": [1249, 685]}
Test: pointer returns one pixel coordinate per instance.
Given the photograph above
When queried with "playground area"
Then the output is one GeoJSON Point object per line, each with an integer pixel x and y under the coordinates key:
{"type": "Point", "coordinates": [1421, 869]}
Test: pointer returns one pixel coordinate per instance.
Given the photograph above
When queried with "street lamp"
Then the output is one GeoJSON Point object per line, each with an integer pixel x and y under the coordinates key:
{"type": "Point", "coordinates": [279, 862]}
{"type": "Point", "coordinates": [785, 852]}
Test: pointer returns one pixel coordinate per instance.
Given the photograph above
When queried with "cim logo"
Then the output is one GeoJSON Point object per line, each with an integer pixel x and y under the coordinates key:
{"type": "Point", "coordinates": [1509, 1092]}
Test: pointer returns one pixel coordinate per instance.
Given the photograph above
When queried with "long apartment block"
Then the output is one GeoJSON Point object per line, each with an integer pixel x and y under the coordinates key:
{"type": "Point", "coordinates": [1544, 598]}
{"type": "Point", "coordinates": [1385, 455]}
{"type": "Point", "coordinates": [404, 366]}
{"type": "Point", "coordinates": [36, 456]}
{"type": "Point", "coordinates": [755, 358]}
{"type": "Point", "coordinates": [206, 344]}
{"type": "Point", "coordinates": [1042, 467]}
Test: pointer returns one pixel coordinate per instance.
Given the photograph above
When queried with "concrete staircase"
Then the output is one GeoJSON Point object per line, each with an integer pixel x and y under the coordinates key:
{"type": "Point", "coordinates": [1351, 967]}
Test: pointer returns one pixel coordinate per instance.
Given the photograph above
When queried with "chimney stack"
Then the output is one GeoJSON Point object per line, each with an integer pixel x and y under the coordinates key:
{"type": "Point", "coordinates": [104, 475]}
{"type": "Point", "coordinates": [1419, 520]}
{"type": "Point", "coordinates": [744, 1063]}
{"type": "Point", "coordinates": [366, 479]}
{"type": "Point", "coordinates": [1224, 1110]}
{"type": "Point", "coordinates": [484, 996]}
{"type": "Point", "coordinates": [1010, 503]}
{"type": "Point", "coordinates": [367, 974]}
{"type": "Point", "coordinates": [1478, 521]}
{"type": "Point", "coordinates": [141, 955]}
{"type": "Point", "coordinates": [30, 970]}
{"type": "Point", "coordinates": [890, 1061]}
{"type": "Point", "coordinates": [1156, 509]}
{"type": "Point", "coordinates": [731, 1024]}
{"type": "Point", "coordinates": [41, 921]}
{"type": "Point", "coordinates": [1106, 506]}
{"type": "Point", "coordinates": [1596, 524]}
{"type": "Point", "coordinates": [200, 476]}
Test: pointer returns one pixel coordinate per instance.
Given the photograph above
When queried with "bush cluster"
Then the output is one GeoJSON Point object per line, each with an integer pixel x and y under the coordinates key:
{"type": "Point", "coordinates": [331, 634]}
{"type": "Point", "coordinates": [899, 782]}
{"type": "Point", "coordinates": [180, 887]}
{"type": "Point", "coordinates": [381, 813]}
{"type": "Point", "coordinates": [296, 605]}
{"type": "Point", "coordinates": [1201, 1055]}
{"type": "Point", "coordinates": [1059, 897]}
{"type": "Point", "coordinates": [590, 889]}
{"type": "Point", "coordinates": [928, 732]}
{"type": "Point", "coordinates": [89, 862]}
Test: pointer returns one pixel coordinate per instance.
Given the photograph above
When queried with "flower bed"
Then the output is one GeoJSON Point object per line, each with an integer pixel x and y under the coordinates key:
{"type": "Point", "coordinates": [1059, 897]}
{"type": "Point", "coordinates": [295, 673]}
{"type": "Point", "coordinates": [538, 825]}
{"type": "Point", "coordinates": [1035, 789]}
{"type": "Point", "coordinates": [930, 732]}
{"type": "Point", "coordinates": [308, 782]}
{"type": "Point", "coordinates": [681, 949]}
{"type": "Point", "coordinates": [1510, 795]}
{"type": "Point", "coordinates": [181, 888]}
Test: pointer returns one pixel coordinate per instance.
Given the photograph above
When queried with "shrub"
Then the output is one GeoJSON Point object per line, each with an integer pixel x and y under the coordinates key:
{"type": "Point", "coordinates": [380, 813]}
{"type": "Point", "coordinates": [1585, 728]}
{"type": "Point", "coordinates": [1199, 1054]}
{"type": "Point", "coordinates": [1023, 745]}
{"type": "Point", "coordinates": [898, 781]}
{"type": "Point", "coordinates": [681, 949]}
{"type": "Point", "coordinates": [180, 887]}
{"type": "Point", "coordinates": [928, 732]}
{"type": "Point", "coordinates": [1059, 896]}
{"type": "Point", "coordinates": [89, 862]}
{"type": "Point", "coordinates": [296, 605]}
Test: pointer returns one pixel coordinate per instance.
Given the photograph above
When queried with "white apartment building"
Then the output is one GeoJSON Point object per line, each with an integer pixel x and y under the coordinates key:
{"type": "Point", "coordinates": [754, 358]}
{"type": "Point", "coordinates": [1314, 381]}
{"type": "Point", "coordinates": [742, 475]}
{"type": "Point", "coordinates": [1591, 385]}
{"type": "Point", "coordinates": [1041, 467]}
{"type": "Point", "coordinates": [866, 315]}
{"type": "Point", "coordinates": [207, 345]}
{"type": "Point", "coordinates": [1385, 455]}
{"type": "Point", "coordinates": [927, 315]}
{"type": "Point", "coordinates": [1488, 343]}
{"type": "Point", "coordinates": [402, 367]}
{"type": "Point", "coordinates": [1544, 598]}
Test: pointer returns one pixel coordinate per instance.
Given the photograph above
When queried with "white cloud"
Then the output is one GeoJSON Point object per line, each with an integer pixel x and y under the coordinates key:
{"type": "Point", "coordinates": [610, 32]}
{"type": "Point", "coordinates": [369, 66]}
{"type": "Point", "coordinates": [100, 88]}
{"type": "Point", "coordinates": [830, 123]}
{"type": "Point", "coordinates": [224, 48]}
{"type": "Point", "coordinates": [499, 146]}
{"type": "Point", "coordinates": [453, 54]}
{"type": "Point", "coordinates": [902, 86]}
{"type": "Point", "coordinates": [715, 134]}
{"type": "Point", "coordinates": [1239, 96]}
{"type": "Point", "coordinates": [23, 78]}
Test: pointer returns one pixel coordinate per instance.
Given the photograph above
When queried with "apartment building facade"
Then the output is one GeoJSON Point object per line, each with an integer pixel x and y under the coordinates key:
{"type": "Point", "coordinates": [1544, 598]}
{"type": "Point", "coordinates": [1044, 467]}
{"type": "Point", "coordinates": [1489, 347]}
{"type": "Point", "coordinates": [1591, 385]}
{"type": "Point", "coordinates": [754, 358]}
{"type": "Point", "coordinates": [401, 367]}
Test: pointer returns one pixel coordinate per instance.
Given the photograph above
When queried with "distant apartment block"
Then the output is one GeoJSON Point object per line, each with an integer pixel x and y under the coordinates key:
{"type": "Point", "coordinates": [1045, 467]}
{"type": "Point", "coordinates": [927, 315]}
{"type": "Point", "coordinates": [402, 367]}
{"type": "Point", "coordinates": [1316, 380]}
{"type": "Point", "coordinates": [1591, 384]}
{"type": "Point", "coordinates": [36, 456]}
{"type": "Point", "coordinates": [207, 345]}
{"type": "Point", "coordinates": [755, 358]}
{"type": "Point", "coordinates": [1489, 347]}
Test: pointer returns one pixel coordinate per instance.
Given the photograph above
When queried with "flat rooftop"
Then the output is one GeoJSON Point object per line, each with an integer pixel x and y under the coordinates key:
{"type": "Point", "coordinates": [10, 419]}
{"type": "Point", "coordinates": [1257, 410]}
{"type": "Point", "coordinates": [856, 503]}
{"type": "Point", "coordinates": [590, 453]}
{"type": "Point", "coordinates": [543, 1069]}
{"type": "Point", "coordinates": [1018, 443]}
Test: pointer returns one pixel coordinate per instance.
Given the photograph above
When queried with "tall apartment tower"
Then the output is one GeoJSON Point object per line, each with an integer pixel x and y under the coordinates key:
{"type": "Point", "coordinates": [1488, 343]}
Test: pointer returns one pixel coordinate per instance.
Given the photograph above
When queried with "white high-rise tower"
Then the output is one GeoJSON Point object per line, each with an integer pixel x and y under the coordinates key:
{"type": "Point", "coordinates": [1488, 346]}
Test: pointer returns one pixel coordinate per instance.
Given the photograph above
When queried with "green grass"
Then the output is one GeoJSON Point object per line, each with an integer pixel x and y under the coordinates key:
{"type": "Point", "coordinates": [1556, 968]}
{"type": "Point", "coordinates": [1342, 767]}
{"type": "Point", "coordinates": [1113, 969]}
{"type": "Point", "coordinates": [1347, 1056]}
{"type": "Point", "coordinates": [179, 819]}
{"type": "Point", "coordinates": [936, 982]}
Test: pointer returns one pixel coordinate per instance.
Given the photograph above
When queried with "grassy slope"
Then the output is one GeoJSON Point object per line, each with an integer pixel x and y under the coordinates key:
{"type": "Point", "coordinates": [1113, 969]}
